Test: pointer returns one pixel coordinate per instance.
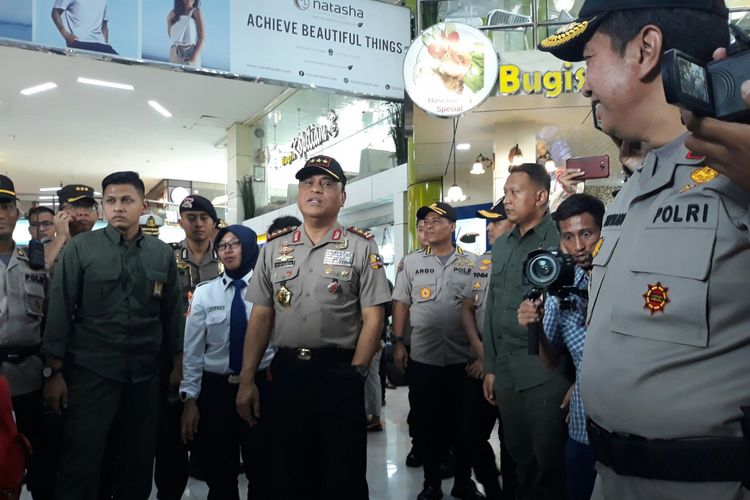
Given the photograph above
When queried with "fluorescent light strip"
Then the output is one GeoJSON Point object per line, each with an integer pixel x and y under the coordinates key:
{"type": "Point", "coordinates": [46, 197]}
{"type": "Point", "coordinates": [160, 109]}
{"type": "Point", "coordinates": [50, 189]}
{"type": "Point", "coordinates": [103, 83]}
{"type": "Point", "coordinates": [39, 88]}
{"type": "Point", "coordinates": [465, 146]}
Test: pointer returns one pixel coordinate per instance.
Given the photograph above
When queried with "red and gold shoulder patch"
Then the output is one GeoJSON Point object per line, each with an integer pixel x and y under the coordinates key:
{"type": "Point", "coordinates": [280, 232]}
{"type": "Point", "coordinates": [376, 261]}
{"type": "Point", "coordinates": [656, 298]}
{"type": "Point", "coordinates": [360, 232]}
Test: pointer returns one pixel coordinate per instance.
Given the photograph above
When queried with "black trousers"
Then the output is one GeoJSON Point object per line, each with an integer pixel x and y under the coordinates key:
{"type": "Point", "coordinates": [318, 424]}
{"type": "Point", "coordinates": [223, 435]}
{"type": "Point", "coordinates": [171, 464]}
{"type": "Point", "coordinates": [436, 398]}
{"type": "Point", "coordinates": [96, 406]}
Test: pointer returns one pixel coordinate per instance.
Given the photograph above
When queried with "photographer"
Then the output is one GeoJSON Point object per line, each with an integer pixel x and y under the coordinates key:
{"type": "Point", "coordinates": [665, 376]}
{"type": "Point", "coordinates": [579, 221]}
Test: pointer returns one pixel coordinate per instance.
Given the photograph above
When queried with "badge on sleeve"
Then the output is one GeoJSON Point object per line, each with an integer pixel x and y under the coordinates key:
{"type": "Point", "coordinates": [376, 261]}
{"type": "Point", "coordinates": [656, 298]}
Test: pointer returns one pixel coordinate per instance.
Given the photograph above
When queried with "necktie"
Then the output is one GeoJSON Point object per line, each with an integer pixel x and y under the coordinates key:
{"type": "Point", "coordinates": [237, 326]}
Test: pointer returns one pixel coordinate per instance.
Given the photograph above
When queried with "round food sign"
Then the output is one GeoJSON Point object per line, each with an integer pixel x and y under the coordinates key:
{"type": "Point", "coordinates": [450, 69]}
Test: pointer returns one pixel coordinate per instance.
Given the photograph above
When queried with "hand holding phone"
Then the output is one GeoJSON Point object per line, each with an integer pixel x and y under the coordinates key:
{"type": "Point", "coordinates": [593, 167]}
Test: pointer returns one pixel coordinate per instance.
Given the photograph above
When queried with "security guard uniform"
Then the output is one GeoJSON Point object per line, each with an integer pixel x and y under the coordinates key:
{"type": "Point", "coordinates": [318, 292]}
{"type": "Point", "coordinates": [439, 353]}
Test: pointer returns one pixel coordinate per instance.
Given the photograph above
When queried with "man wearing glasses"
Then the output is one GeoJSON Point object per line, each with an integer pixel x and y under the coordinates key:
{"type": "Point", "coordinates": [42, 224]}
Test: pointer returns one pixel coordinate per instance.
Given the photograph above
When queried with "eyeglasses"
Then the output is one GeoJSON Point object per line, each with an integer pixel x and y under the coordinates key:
{"type": "Point", "coordinates": [46, 224]}
{"type": "Point", "coordinates": [228, 246]}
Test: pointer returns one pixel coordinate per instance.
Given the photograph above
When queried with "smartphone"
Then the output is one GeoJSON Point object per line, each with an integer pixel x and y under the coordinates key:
{"type": "Point", "coordinates": [593, 167]}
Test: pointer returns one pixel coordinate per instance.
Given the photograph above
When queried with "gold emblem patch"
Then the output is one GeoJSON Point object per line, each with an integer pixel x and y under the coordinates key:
{"type": "Point", "coordinates": [597, 247]}
{"type": "Point", "coordinates": [656, 298]}
{"type": "Point", "coordinates": [425, 293]}
{"type": "Point", "coordinates": [477, 284]}
{"type": "Point", "coordinates": [703, 175]}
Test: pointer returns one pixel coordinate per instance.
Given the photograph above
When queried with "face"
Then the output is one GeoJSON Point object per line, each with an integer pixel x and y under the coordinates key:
{"type": "Point", "coordinates": [42, 226]}
{"type": "Point", "coordinates": [437, 229]}
{"type": "Point", "coordinates": [420, 233]}
{"type": "Point", "coordinates": [8, 219]}
{"type": "Point", "coordinates": [123, 206]}
{"type": "Point", "coordinates": [497, 229]}
{"type": "Point", "coordinates": [522, 198]}
{"type": "Point", "coordinates": [320, 197]}
{"type": "Point", "coordinates": [611, 84]}
{"type": "Point", "coordinates": [198, 225]}
{"type": "Point", "coordinates": [82, 217]}
{"type": "Point", "coordinates": [230, 251]}
{"type": "Point", "coordinates": [578, 237]}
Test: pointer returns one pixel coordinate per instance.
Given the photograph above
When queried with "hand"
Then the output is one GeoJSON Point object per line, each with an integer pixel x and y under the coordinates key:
{"type": "Point", "coordinates": [62, 224]}
{"type": "Point", "coordinates": [248, 402]}
{"type": "Point", "coordinates": [530, 312]}
{"type": "Point", "coordinates": [175, 377]}
{"type": "Point", "coordinates": [488, 387]}
{"type": "Point", "coordinates": [726, 145]}
{"type": "Point", "coordinates": [56, 394]}
{"type": "Point", "coordinates": [189, 421]}
{"type": "Point", "coordinates": [475, 369]}
{"type": "Point", "coordinates": [400, 356]}
{"type": "Point", "coordinates": [565, 406]}
{"type": "Point", "coordinates": [570, 179]}
{"type": "Point", "coordinates": [70, 38]}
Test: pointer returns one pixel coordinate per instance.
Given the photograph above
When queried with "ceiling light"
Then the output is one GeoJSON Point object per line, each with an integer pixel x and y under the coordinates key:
{"type": "Point", "coordinates": [103, 83]}
{"type": "Point", "coordinates": [548, 162]}
{"type": "Point", "coordinates": [464, 146]}
{"type": "Point", "coordinates": [97, 193]}
{"type": "Point", "coordinates": [455, 193]}
{"type": "Point", "coordinates": [39, 88]}
{"type": "Point", "coordinates": [160, 109]}
{"type": "Point", "coordinates": [563, 5]}
{"type": "Point", "coordinates": [46, 197]}
{"type": "Point", "coordinates": [478, 167]}
{"type": "Point", "coordinates": [515, 156]}
{"type": "Point", "coordinates": [50, 188]}
{"type": "Point", "coordinates": [178, 194]}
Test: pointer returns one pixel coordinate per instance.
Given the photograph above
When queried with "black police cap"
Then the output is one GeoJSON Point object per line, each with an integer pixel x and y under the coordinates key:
{"type": "Point", "coordinates": [440, 208]}
{"type": "Point", "coordinates": [322, 164]}
{"type": "Point", "coordinates": [196, 203]}
{"type": "Point", "coordinates": [494, 214]}
{"type": "Point", "coordinates": [7, 189]}
{"type": "Point", "coordinates": [75, 192]}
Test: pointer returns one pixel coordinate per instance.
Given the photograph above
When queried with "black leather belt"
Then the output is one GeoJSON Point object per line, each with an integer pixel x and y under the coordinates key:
{"type": "Point", "coordinates": [688, 460]}
{"type": "Point", "coordinates": [315, 355]}
{"type": "Point", "coordinates": [18, 355]}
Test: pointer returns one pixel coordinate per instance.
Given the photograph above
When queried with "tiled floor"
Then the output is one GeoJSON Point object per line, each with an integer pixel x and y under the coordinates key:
{"type": "Point", "coordinates": [387, 475]}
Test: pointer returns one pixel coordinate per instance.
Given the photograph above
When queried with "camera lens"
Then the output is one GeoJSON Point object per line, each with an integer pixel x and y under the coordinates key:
{"type": "Point", "coordinates": [543, 270]}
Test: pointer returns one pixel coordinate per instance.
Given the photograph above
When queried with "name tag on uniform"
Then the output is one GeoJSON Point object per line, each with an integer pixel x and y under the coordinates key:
{"type": "Point", "coordinates": [158, 289]}
{"type": "Point", "coordinates": [338, 258]}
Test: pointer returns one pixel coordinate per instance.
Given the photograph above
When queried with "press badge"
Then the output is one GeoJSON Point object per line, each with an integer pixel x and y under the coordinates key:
{"type": "Point", "coordinates": [157, 289]}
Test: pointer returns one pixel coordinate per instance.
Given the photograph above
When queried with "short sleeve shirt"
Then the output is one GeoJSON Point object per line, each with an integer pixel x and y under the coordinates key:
{"type": "Point", "coordinates": [84, 18]}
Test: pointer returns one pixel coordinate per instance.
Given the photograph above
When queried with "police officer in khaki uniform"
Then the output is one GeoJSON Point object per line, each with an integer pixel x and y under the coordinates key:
{"type": "Point", "coordinates": [23, 286]}
{"type": "Point", "coordinates": [479, 417]}
{"type": "Point", "coordinates": [427, 294]}
{"type": "Point", "coordinates": [321, 287]}
{"type": "Point", "coordinates": [665, 379]}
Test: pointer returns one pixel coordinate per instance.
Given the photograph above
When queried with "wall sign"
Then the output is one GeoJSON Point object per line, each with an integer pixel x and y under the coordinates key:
{"type": "Point", "coordinates": [312, 137]}
{"type": "Point", "coordinates": [515, 81]}
{"type": "Point", "coordinates": [450, 69]}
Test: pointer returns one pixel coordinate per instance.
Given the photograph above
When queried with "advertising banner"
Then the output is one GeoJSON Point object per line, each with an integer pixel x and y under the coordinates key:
{"type": "Point", "coordinates": [357, 46]}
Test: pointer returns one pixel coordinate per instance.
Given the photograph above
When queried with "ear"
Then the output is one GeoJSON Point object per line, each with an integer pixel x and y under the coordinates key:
{"type": "Point", "coordinates": [144, 208]}
{"type": "Point", "coordinates": [542, 198]}
{"type": "Point", "coordinates": [453, 227]}
{"type": "Point", "coordinates": [343, 198]}
{"type": "Point", "coordinates": [650, 42]}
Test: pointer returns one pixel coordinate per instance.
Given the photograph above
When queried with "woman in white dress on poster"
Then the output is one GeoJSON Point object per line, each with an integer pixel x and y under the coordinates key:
{"type": "Point", "coordinates": [186, 32]}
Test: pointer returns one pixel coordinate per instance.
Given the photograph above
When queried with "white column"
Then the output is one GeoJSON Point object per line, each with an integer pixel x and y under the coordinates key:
{"type": "Point", "coordinates": [400, 227]}
{"type": "Point", "coordinates": [239, 164]}
{"type": "Point", "coordinates": [508, 135]}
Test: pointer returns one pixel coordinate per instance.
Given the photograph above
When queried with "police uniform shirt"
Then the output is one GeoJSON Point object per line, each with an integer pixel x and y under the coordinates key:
{"type": "Point", "coordinates": [328, 283]}
{"type": "Point", "coordinates": [192, 272]}
{"type": "Point", "coordinates": [433, 292]}
{"type": "Point", "coordinates": [22, 293]}
{"type": "Point", "coordinates": [669, 323]}
{"type": "Point", "coordinates": [207, 333]}
{"type": "Point", "coordinates": [111, 304]}
{"type": "Point", "coordinates": [476, 290]}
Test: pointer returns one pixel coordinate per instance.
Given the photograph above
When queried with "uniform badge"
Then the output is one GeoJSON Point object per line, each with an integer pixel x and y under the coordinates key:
{"type": "Point", "coordinates": [158, 289]}
{"type": "Point", "coordinates": [296, 236]}
{"type": "Point", "coordinates": [342, 244]}
{"type": "Point", "coordinates": [686, 188]}
{"type": "Point", "coordinates": [692, 156]}
{"type": "Point", "coordinates": [656, 298]}
{"type": "Point", "coordinates": [484, 268]}
{"type": "Point", "coordinates": [20, 252]}
{"type": "Point", "coordinates": [284, 296]}
{"type": "Point", "coordinates": [477, 298]}
{"type": "Point", "coordinates": [477, 285]}
{"type": "Point", "coordinates": [336, 235]}
{"type": "Point", "coordinates": [703, 175]}
{"type": "Point", "coordinates": [376, 261]}
{"type": "Point", "coordinates": [597, 247]}
{"type": "Point", "coordinates": [486, 262]}
{"type": "Point", "coordinates": [333, 286]}
{"type": "Point", "coordinates": [425, 293]}
{"type": "Point", "coordinates": [338, 258]}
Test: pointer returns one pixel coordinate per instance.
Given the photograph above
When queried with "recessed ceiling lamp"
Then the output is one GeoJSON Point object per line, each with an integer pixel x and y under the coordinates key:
{"type": "Point", "coordinates": [160, 109]}
{"type": "Point", "coordinates": [478, 167]}
{"type": "Point", "coordinates": [515, 156]}
{"type": "Point", "coordinates": [104, 83]}
{"type": "Point", "coordinates": [39, 88]}
{"type": "Point", "coordinates": [464, 146]}
{"type": "Point", "coordinates": [50, 189]}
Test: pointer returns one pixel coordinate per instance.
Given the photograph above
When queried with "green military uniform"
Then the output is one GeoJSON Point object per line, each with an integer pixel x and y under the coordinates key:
{"type": "Point", "coordinates": [528, 394]}
{"type": "Point", "coordinates": [112, 308]}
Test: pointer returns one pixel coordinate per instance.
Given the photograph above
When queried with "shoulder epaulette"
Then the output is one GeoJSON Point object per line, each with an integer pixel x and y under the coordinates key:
{"type": "Point", "coordinates": [427, 250]}
{"type": "Point", "coordinates": [205, 282]}
{"type": "Point", "coordinates": [280, 232]}
{"type": "Point", "coordinates": [359, 232]}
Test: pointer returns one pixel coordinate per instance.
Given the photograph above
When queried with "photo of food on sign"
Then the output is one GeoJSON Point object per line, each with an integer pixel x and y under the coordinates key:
{"type": "Point", "coordinates": [459, 63]}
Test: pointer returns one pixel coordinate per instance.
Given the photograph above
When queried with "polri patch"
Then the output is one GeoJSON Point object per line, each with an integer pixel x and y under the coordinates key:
{"type": "Point", "coordinates": [376, 261]}
{"type": "Point", "coordinates": [656, 298]}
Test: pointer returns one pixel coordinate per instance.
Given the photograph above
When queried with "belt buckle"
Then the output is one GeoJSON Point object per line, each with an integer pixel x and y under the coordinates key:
{"type": "Point", "coordinates": [304, 354]}
{"type": "Point", "coordinates": [233, 379]}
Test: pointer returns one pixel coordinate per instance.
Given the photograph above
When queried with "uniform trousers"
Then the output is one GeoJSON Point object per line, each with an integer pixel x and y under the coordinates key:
{"type": "Point", "coordinates": [31, 421]}
{"type": "Point", "coordinates": [171, 464]}
{"type": "Point", "coordinates": [535, 434]}
{"type": "Point", "coordinates": [223, 436]}
{"type": "Point", "coordinates": [436, 398]}
{"type": "Point", "coordinates": [373, 389]}
{"type": "Point", "coordinates": [96, 406]}
{"type": "Point", "coordinates": [318, 424]}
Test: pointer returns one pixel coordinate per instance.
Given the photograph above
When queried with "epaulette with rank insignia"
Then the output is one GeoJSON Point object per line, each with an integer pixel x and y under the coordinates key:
{"type": "Point", "coordinates": [280, 232]}
{"type": "Point", "coordinates": [359, 232]}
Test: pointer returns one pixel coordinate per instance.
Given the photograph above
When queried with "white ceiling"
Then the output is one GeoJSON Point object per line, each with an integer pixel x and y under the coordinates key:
{"type": "Point", "coordinates": [80, 133]}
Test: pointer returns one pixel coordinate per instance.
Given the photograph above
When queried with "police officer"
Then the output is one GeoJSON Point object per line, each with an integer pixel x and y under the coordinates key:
{"type": "Point", "coordinates": [23, 284]}
{"type": "Point", "coordinates": [322, 288]}
{"type": "Point", "coordinates": [78, 214]}
{"type": "Point", "coordinates": [479, 417]}
{"type": "Point", "coordinates": [197, 261]}
{"type": "Point", "coordinates": [427, 293]}
{"type": "Point", "coordinates": [150, 224]}
{"type": "Point", "coordinates": [114, 300]}
{"type": "Point", "coordinates": [42, 224]}
{"type": "Point", "coordinates": [212, 360]}
{"type": "Point", "coordinates": [664, 376]}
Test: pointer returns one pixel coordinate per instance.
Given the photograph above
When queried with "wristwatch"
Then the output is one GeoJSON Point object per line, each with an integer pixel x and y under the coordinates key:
{"type": "Point", "coordinates": [48, 372]}
{"type": "Point", "coordinates": [362, 371]}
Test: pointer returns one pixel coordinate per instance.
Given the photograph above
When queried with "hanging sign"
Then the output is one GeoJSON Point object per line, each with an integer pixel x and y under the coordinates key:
{"type": "Point", "coordinates": [514, 81]}
{"type": "Point", "coordinates": [450, 69]}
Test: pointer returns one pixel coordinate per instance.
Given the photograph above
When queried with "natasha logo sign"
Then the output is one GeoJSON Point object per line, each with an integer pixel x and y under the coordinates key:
{"type": "Point", "coordinates": [330, 8]}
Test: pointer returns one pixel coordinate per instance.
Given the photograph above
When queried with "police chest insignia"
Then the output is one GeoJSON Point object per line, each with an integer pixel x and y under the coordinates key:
{"type": "Point", "coordinates": [656, 298]}
{"type": "Point", "coordinates": [486, 262]}
{"type": "Point", "coordinates": [597, 247]}
{"type": "Point", "coordinates": [477, 284]}
{"type": "Point", "coordinates": [338, 258]}
{"type": "Point", "coordinates": [484, 267]}
{"type": "Point", "coordinates": [692, 156]}
{"type": "Point", "coordinates": [360, 232]}
{"type": "Point", "coordinates": [376, 261]}
{"type": "Point", "coordinates": [21, 253]}
{"type": "Point", "coordinates": [703, 175]}
{"type": "Point", "coordinates": [425, 293]}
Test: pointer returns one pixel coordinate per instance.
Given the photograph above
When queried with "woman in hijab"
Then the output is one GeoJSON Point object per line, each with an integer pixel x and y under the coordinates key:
{"type": "Point", "coordinates": [214, 337]}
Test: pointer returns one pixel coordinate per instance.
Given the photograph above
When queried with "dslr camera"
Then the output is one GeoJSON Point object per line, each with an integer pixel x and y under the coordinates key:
{"type": "Point", "coordinates": [712, 89]}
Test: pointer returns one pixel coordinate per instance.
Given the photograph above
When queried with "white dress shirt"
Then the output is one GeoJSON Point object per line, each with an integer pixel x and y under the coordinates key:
{"type": "Point", "coordinates": [207, 334]}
